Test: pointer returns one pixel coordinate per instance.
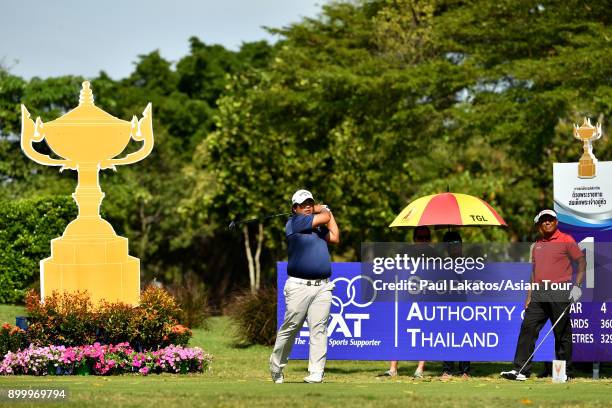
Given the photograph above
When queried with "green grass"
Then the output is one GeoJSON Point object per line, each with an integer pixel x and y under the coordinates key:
{"type": "Point", "coordinates": [239, 377]}
{"type": "Point", "coordinates": [9, 312]}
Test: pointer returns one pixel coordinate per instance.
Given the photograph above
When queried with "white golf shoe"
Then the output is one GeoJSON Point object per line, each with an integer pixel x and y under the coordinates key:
{"type": "Point", "coordinates": [277, 377]}
{"type": "Point", "coordinates": [513, 375]}
{"type": "Point", "coordinates": [314, 378]}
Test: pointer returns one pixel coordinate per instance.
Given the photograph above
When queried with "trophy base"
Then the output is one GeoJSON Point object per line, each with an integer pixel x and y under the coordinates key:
{"type": "Point", "coordinates": [101, 266]}
{"type": "Point", "coordinates": [586, 170]}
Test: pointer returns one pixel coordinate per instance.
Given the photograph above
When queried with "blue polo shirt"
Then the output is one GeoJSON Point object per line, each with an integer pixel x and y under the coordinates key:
{"type": "Point", "coordinates": [308, 253]}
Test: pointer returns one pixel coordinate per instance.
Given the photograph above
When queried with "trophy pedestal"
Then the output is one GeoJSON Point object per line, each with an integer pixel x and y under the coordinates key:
{"type": "Point", "coordinates": [586, 168]}
{"type": "Point", "coordinates": [100, 266]}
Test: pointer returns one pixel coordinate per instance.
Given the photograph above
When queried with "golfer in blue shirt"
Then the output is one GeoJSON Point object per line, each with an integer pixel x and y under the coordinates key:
{"type": "Point", "coordinates": [308, 291]}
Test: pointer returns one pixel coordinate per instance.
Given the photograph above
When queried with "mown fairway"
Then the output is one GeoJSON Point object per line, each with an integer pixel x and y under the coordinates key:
{"type": "Point", "coordinates": [239, 377]}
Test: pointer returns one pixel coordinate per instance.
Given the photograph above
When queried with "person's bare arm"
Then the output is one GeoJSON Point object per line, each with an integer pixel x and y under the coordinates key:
{"type": "Point", "coordinates": [531, 280]}
{"type": "Point", "coordinates": [321, 215]}
{"type": "Point", "coordinates": [333, 237]}
{"type": "Point", "coordinates": [581, 270]}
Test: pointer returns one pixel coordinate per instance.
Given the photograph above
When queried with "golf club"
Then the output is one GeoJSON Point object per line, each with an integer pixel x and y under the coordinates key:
{"type": "Point", "coordinates": [542, 342]}
{"type": "Point", "coordinates": [234, 224]}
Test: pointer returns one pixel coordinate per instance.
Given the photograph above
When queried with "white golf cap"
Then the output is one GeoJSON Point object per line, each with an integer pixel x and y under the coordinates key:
{"type": "Point", "coordinates": [542, 213]}
{"type": "Point", "coordinates": [300, 196]}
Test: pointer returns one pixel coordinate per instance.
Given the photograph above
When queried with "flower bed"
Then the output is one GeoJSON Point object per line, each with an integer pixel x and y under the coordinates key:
{"type": "Point", "coordinates": [99, 359]}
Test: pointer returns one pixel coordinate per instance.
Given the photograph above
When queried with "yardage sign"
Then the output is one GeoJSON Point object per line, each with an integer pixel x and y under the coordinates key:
{"type": "Point", "coordinates": [584, 210]}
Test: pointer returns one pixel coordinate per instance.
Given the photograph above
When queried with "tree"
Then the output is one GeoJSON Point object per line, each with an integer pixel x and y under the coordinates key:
{"type": "Point", "coordinates": [28, 226]}
{"type": "Point", "coordinates": [376, 103]}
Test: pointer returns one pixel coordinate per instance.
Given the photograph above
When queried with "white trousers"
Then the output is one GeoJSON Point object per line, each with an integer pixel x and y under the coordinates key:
{"type": "Point", "coordinates": [302, 302]}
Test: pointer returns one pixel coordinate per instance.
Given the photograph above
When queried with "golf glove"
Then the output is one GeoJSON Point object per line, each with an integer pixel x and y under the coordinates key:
{"type": "Point", "coordinates": [575, 293]}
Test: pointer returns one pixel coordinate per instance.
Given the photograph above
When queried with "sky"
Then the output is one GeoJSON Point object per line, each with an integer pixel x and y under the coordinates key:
{"type": "Point", "coordinates": [48, 38]}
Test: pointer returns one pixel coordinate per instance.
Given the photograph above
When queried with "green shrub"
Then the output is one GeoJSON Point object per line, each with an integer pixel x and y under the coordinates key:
{"type": "Point", "coordinates": [28, 226]}
{"type": "Point", "coordinates": [117, 323]}
{"type": "Point", "coordinates": [70, 319]}
{"type": "Point", "coordinates": [158, 314]}
{"type": "Point", "coordinates": [67, 319]}
{"type": "Point", "coordinates": [191, 295]}
{"type": "Point", "coordinates": [179, 335]}
{"type": "Point", "coordinates": [12, 338]}
{"type": "Point", "coordinates": [255, 316]}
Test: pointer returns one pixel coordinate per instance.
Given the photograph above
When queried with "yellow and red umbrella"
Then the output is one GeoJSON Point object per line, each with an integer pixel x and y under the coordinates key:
{"type": "Point", "coordinates": [448, 209]}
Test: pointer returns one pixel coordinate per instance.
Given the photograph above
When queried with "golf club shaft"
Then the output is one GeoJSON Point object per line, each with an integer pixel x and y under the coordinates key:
{"type": "Point", "coordinates": [233, 224]}
{"type": "Point", "coordinates": [542, 342]}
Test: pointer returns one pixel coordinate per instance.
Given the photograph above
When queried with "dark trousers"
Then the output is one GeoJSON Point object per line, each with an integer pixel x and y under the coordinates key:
{"type": "Point", "coordinates": [449, 367]}
{"type": "Point", "coordinates": [536, 315]}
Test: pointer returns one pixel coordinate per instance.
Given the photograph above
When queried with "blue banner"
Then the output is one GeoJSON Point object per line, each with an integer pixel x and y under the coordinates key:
{"type": "Point", "coordinates": [366, 329]}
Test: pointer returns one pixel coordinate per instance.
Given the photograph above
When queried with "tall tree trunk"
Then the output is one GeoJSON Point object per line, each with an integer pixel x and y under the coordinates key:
{"type": "Point", "coordinates": [249, 255]}
{"type": "Point", "coordinates": [260, 237]}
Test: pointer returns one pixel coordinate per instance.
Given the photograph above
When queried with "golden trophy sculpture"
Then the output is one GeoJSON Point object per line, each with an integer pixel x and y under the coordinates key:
{"type": "Point", "coordinates": [89, 255]}
{"type": "Point", "coordinates": [588, 134]}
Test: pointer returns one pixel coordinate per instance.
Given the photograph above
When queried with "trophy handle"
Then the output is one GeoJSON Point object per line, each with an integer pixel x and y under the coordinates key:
{"type": "Point", "coordinates": [144, 132]}
{"type": "Point", "coordinates": [29, 134]}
